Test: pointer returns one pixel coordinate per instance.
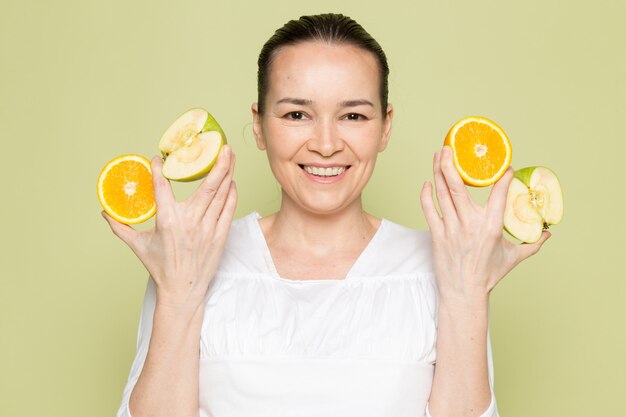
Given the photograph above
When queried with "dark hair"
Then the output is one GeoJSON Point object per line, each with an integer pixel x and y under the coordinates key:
{"type": "Point", "coordinates": [329, 27]}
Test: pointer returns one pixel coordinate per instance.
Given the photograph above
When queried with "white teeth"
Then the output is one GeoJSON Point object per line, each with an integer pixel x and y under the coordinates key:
{"type": "Point", "coordinates": [324, 172]}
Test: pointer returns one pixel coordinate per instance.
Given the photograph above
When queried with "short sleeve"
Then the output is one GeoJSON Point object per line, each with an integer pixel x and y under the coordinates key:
{"type": "Point", "coordinates": [143, 339]}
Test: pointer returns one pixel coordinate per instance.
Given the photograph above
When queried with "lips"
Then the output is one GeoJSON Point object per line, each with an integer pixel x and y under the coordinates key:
{"type": "Point", "coordinates": [327, 171]}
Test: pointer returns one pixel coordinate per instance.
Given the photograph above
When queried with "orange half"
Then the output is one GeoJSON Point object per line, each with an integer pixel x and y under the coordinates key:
{"type": "Point", "coordinates": [125, 189]}
{"type": "Point", "coordinates": [481, 150]}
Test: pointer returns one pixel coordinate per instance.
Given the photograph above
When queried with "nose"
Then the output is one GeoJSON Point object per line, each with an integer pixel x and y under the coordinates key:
{"type": "Point", "coordinates": [325, 138]}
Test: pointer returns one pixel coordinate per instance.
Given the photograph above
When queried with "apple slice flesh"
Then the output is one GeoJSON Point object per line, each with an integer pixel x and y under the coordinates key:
{"type": "Point", "coordinates": [534, 202]}
{"type": "Point", "coordinates": [521, 219]}
{"type": "Point", "coordinates": [195, 158]}
{"type": "Point", "coordinates": [183, 130]}
{"type": "Point", "coordinates": [190, 146]}
{"type": "Point", "coordinates": [546, 186]}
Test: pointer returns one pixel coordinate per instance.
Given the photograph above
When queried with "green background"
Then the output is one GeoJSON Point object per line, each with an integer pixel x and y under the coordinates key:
{"type": "Point", "coordinates": [84, 81]}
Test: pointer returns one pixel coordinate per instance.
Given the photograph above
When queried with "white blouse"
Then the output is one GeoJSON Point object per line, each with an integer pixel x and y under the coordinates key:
{"type": "Point", "coordinates": [361, 346]}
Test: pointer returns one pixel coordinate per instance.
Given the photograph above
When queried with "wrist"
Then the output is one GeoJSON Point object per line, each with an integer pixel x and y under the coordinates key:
{"type": "Point", "coordinates": [180, 299]}
{"type": "Point", "coordinates": [464, 303]}
{"type": "Point", "coordinates": [178, 315]}
{"type": "Point", "coordinates": [463, 291]}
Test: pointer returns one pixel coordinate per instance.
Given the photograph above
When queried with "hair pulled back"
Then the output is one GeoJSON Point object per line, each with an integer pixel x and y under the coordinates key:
{"type": "Point", "coordinates": [330, 28]}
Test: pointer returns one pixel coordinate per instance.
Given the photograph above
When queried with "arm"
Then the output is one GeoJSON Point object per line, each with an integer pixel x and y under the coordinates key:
{"type": "Point", "coordinates": [470, 257]}
{"type": "Point", "coordinates": [168, 383]}
{"type": "Point", "coordinates": [464, 369]}
{"type": "Point", "coordinates": [461, 369]}
{"type": "Point", "coordinates": [182, 254]}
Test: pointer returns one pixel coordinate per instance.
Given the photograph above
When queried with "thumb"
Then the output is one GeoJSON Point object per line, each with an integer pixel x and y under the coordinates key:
{"type": "Point", "coordinates": [126, 233]}
{"type": "Point", "coordinates": [526, 250]}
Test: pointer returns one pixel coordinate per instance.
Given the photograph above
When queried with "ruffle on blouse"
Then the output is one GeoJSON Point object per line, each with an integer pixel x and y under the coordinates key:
{"type": "Point", "coordinates": [385, 308]}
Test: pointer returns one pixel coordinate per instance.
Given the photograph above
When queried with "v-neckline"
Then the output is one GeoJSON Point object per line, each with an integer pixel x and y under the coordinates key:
{"type": "Point", "coordinates": [271, 266]}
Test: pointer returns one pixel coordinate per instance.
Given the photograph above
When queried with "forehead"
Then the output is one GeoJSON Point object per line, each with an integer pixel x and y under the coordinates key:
{"type": "Point", "coordinates": [319, 70]}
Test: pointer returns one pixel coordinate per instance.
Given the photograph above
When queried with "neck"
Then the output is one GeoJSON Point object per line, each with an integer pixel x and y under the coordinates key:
{"type": "Point", "coordinates": [320, 232]}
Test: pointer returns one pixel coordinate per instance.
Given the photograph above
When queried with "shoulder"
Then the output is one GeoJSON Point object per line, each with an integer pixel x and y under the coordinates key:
{"type": "Point", "coordinates": [400, 250]}
{"type": "Point", "coordinates": [243, 249]}
{"type": "Point", "coordinates": [410, 248]}
{"type": "Point", "coordinates": [242, 229]}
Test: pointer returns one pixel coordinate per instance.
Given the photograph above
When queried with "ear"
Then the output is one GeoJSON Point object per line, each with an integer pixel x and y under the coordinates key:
{"type": "Point", "coordinates": [386, 128]}
{"type": "Point", "coordinates": [256, 127]}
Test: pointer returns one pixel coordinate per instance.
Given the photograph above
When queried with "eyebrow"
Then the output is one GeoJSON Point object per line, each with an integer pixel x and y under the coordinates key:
{"type": "Point", "coordinates": [296, 101]}
{"type": "Point", "coordinates": [307, 102]}
{"type": "Point", "coordinates": [354, 103]}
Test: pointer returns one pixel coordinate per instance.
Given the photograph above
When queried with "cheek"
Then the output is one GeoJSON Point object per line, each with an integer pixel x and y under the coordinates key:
{"type": "Point", "coordinates": [280, 152]}
{"type": "Point", "coordinates": [284, 141]}
{"type": "Point", "coordinates": [364, 141]}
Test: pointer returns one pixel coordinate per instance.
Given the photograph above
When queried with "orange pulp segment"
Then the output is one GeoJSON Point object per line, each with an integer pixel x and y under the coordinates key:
{"type": "Point", "coordinates": [125, 189]}
{"type": "Point", "coordinates": [481, 150]}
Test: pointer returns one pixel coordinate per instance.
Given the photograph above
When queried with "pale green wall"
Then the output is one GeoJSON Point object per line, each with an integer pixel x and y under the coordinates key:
{"type": "Point", "coordinates": [84, 81]}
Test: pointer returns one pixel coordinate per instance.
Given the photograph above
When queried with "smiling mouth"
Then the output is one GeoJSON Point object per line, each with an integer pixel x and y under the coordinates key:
{"type": "Point", "coordinates": [325, 172]}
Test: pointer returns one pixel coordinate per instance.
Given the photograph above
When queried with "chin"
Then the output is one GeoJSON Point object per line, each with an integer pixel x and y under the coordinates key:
{"type": "Point", "coordinates": [326, 206]}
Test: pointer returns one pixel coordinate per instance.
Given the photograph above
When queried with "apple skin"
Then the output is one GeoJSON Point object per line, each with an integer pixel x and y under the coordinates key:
{"type": "Point", "coordinates": [209, 125]}
{"type": "Point", "coordinates": [524, 175]}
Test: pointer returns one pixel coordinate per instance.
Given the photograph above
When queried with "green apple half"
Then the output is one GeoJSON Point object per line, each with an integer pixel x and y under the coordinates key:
{"type": "Point", "coordinates": [190, 146]}
{"type": "Point", "coordinates": [533, 203]}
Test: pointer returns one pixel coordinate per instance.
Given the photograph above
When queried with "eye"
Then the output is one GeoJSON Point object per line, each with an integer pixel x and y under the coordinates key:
{"type": "Point", "coordinates": [295, 115]}
{"type": "Point", "coordinates": [355, 116]}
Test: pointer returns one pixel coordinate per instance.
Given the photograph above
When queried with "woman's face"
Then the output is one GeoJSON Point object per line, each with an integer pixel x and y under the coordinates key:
{"type": "Point", "coordinates": [323, 124]}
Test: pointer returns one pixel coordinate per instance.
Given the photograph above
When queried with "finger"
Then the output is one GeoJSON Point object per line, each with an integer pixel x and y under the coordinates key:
{"type": "Point", "coordinates": [448, 211]}
{"type": "Point", "coordinates": [526, 250]}
{"type": "Point", "coordinates": [126, 233]}
{"type": "Point", "coordinates": [206, 191]}
{"type": "Point", "coordinates": [497, 197]}
{"type": "Point", "coordinates": [219, 199]}
{"type": "Point", "coordinates": [163, 194]}
{"type": "Point", "coordinates": [228, 211]}
{"type": "Point", "coordinates": [428, 207]}
{"type": "Point", "coordinates": [458, 192]}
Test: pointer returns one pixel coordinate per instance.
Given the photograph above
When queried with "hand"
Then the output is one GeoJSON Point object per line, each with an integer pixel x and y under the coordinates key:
{"type": "Point", "coordinates": [470, 253]}
{"type": "Point", "coordinates": [183, 250]}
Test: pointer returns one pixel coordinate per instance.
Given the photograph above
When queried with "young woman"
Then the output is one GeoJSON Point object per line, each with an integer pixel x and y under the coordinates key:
{"type": "Point", "coordinates": [319, 309]}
